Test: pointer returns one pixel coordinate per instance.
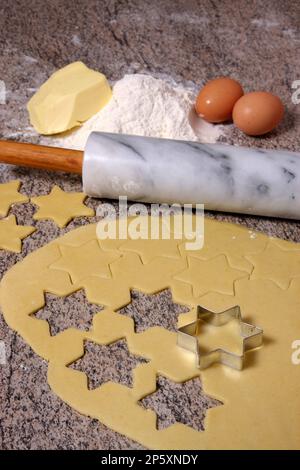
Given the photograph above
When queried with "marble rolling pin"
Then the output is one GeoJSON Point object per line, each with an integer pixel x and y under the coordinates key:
{"type": "Point", "coordinates": [222, 177]}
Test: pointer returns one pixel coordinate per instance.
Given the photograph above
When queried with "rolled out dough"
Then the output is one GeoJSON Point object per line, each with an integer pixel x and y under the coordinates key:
{"type": "Point", "coordinates": [261, 403]}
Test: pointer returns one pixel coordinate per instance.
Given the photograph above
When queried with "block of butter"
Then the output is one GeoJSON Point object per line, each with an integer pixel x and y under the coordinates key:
{"type": "Point", "coordinates": [69, 97]}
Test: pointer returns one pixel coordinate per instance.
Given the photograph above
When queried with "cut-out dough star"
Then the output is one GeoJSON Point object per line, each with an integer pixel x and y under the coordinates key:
{"type": "Point", "coordinates": [232, 241]}
{"type": "Point", "coordinates": [61, 207]}
{"type": "Point", "coordinates": [214, 275]}
{"type": "Point", "coordinates": [9, 195]}
{"type": "Point", "coordinates": [11, 234]}
{"type": "Point", "coordinates": [276, 264]}
{"type": "Point", "coordinates": [148, 251]}
{"type": "Point", "coordinates": [85, 261]}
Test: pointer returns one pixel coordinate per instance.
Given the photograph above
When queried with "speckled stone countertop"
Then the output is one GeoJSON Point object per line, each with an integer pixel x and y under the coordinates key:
{"type": "Point", "coordinates": [255, 42]}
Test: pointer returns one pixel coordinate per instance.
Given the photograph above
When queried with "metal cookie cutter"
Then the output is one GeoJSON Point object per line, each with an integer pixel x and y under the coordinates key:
{"type": "Point", "coordinates": [189, 338]}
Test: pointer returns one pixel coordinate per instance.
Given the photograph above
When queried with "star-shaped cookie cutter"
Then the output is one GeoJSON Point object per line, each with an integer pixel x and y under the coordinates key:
{"type": "Point", "coordinates": [189, 338]}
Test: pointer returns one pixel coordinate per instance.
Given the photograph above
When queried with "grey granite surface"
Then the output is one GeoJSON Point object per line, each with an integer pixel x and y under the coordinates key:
{"type": "Point", "coordinates": [256, 42]}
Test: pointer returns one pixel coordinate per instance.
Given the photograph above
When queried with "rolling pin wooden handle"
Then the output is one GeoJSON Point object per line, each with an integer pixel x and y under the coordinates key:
{"type": "Point", "coordinates": [39, 156]}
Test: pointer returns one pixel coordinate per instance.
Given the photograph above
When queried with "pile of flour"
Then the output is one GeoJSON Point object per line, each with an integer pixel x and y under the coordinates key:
{"type": "Point", "coordinates": [146, 106]}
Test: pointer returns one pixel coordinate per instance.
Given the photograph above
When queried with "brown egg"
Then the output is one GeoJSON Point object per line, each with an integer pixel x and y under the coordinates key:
{"type": "Point", "coordinates": [257, 113]}
{"type": "Point", "coordinates": [217, 98]}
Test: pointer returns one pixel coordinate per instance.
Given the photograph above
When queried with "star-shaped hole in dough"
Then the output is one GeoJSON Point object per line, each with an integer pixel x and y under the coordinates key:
{"type": "Point", "coordinates": [213, 275]}
{"type": "Point", "coordinates": [149, 310]}
{"type": "Point", "coordinates": [107, 363]}
{"type": "Point", "coordinates": [72, 311]}
{"type": "Point", "coordinates": [11, 234]}
{"type": "Point", "coordinates": [85, 261]}
{"type": "Point", "coordinates": [61, 207]}
{"type": "Point", "coordinates": [276, 264]}
{"type": "Point", "coordinates": [9, 195]}
{"type": "Point", "coordinates": [184, 403]}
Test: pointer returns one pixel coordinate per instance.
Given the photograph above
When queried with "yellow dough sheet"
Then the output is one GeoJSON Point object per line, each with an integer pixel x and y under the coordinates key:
{"type": "Point", "coordinates": [261, 403]}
